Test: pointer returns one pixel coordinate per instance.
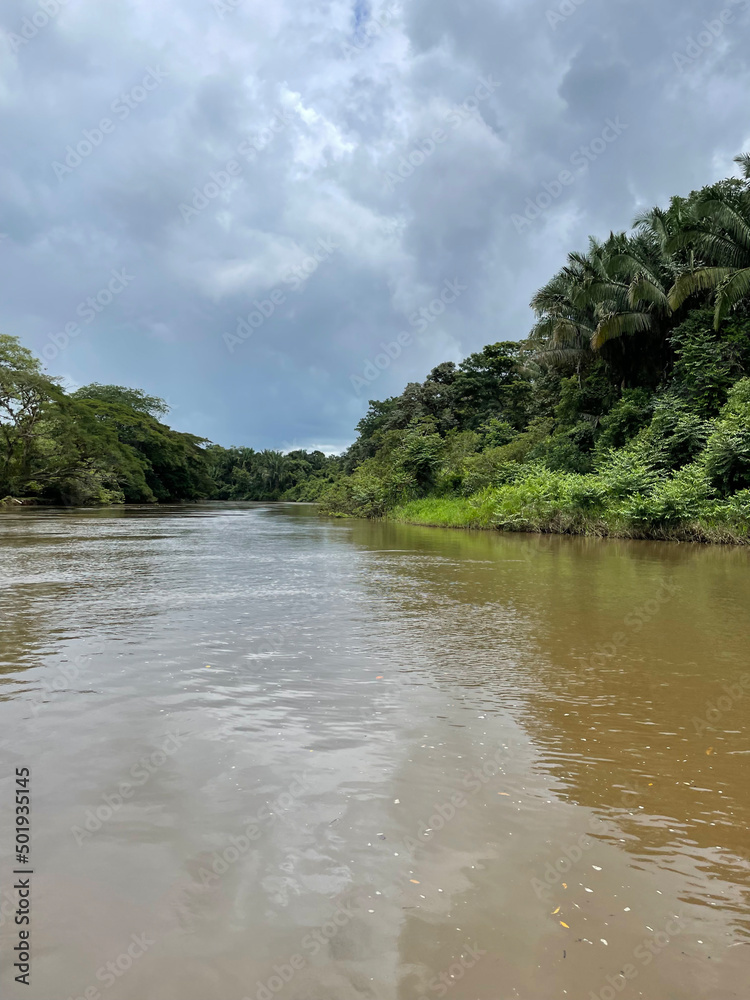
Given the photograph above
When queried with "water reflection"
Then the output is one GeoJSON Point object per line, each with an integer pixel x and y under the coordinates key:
{"type": "Point", "coordinates": [423, 727]}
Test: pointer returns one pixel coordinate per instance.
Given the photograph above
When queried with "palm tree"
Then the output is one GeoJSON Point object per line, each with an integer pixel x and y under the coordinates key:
{"type": "Point", "coordinates": [630, 291]}
{"type": "Point", "coordinates": [563, 331]}
{"type": "Point", "coordinates": [719, 231]}
{"type": "Point", "coordinates": [618, 288]}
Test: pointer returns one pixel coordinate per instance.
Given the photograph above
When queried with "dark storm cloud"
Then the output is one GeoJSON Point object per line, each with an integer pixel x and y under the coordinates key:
{"type": "Point", "coordinates": [206, 149]}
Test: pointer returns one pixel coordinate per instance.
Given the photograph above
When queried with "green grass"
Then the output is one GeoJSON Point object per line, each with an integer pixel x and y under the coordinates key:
{"type": "Point", "coordinates": [448, 512]}
{"type": "Point", "coordinates": [504, 509]}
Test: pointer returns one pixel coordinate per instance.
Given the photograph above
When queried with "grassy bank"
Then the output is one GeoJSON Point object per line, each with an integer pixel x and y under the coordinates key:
{"type": "Point", "coordinates": [676, 508]}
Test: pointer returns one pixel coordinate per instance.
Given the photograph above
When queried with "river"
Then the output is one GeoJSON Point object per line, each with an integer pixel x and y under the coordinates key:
{"type": "Point", "coordinates": [277, 755]}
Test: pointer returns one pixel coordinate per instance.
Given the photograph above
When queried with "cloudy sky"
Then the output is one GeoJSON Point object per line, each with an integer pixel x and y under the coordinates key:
{"type": "Point", "coordinates": [324, 170]}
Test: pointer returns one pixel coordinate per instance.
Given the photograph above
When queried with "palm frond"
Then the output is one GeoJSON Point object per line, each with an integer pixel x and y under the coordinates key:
{"type": "Point", "coordinates": [727, 218]}
{"type": "Point", "coordinates": [743, 160]}
{"type": "Point", "coordinates": [620, 325]}
{"type": "Point", "coordinates": [644, 289]}
{"type": "Point", "coordinates": [730, 292]}
{"type": "Point", "coordinates": [705, 280]}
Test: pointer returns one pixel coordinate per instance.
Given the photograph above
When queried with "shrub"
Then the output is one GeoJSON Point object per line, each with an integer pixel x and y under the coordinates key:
{"type": "Point", "coordinates": [496, 433]}
{"type": "Point", "coordinates": [586, 494]}
{"type": "Point", "coordinates": [703, 365]}
{"type": "Point", "coordinates": [624, 474]}
{"type": "Point", "coordinates": [627, 417]}
{"type": "Point", "coordinates": [488, 468]}
{"type": "Point", "coordinates": [734, 512]}
{"type": "Point", "coordinates": [563, 452]}
{"type": "Point", "coordinates": [727, 454]}
{"type": "Point", "coordinates": [420, 457]}
{"type": "Point", "coordinates": [727, 459]}
{"type": "Point", "coordinates": [532, 502]}
{"type": "Point", "coordinates": [682, 498]}
{"type": "Point", "coordinates": [676, 435]}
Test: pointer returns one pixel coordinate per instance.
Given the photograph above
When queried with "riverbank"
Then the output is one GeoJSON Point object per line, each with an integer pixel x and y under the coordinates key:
{"type": "Point", "coordinates": [484, 513]}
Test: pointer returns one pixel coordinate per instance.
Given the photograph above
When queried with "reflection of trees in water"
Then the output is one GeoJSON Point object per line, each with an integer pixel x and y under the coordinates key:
{"type": "Point", "coordinates": [606, 653]}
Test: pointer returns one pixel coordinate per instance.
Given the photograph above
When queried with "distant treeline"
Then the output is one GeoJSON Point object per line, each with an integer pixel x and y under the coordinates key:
{"type": "Point", "coordinates": [106, 444]}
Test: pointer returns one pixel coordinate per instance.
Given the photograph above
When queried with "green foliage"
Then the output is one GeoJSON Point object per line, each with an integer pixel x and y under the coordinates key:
{"type": "Point", "coordinates": [246, 474]}
{"type": "Point", "coordinates": [568, 451]}
{"type": "Point", "coordinates": [420, 456]}
{"type": "Point", "coordinates": [682, 498]}
{"type": "Point", "coordinates": [92, 447]}
{"type": "Point", "coordinates": [488, 468]}
{"type": "Point", "coordinates": [675, 436]}
{"type": "Point", "coordinates": [136, 399]}
{"type": "Point", "coordinates": [368, 492]}
{"type": "Point", "coordinates": [627, 417]}
{"type": "Point", "coordinates": [624, 474]}
{"type": "Point", "coordinates": [537, 500]}
{"type": "Point", "coordinates": [25, 395]}
{"type": "Point", "coordinates": [732, 513]}
{"type": "Point", "coordinates": [496, 433]}
{"type": "Point", "coordinates": [492, 383]}
{"type": "Point", "coordinates": [727, 454]}
{"type": "Point", "coordinates": [450, 512]}
{"type": "Point", "coordinates": [627, 410]}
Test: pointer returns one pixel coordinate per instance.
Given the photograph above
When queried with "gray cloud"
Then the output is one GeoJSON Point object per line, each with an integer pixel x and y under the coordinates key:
{"type": "Point", "coordinates": [320, 106]}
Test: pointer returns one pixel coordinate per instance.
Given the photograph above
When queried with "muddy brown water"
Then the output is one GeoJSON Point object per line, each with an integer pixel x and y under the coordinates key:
{"type": "Point", "coordinates": [275, 755]}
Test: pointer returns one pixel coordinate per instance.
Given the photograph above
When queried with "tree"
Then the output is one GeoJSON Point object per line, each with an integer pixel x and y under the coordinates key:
{"type": "Point", "coordinates": [719, 232]}
{"type": "Point", "coordinates": [492, 383]}
{"type": "Point", "coordinates": [135, 398]}
{"type": "Point", "coordinates": [24, 392]}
